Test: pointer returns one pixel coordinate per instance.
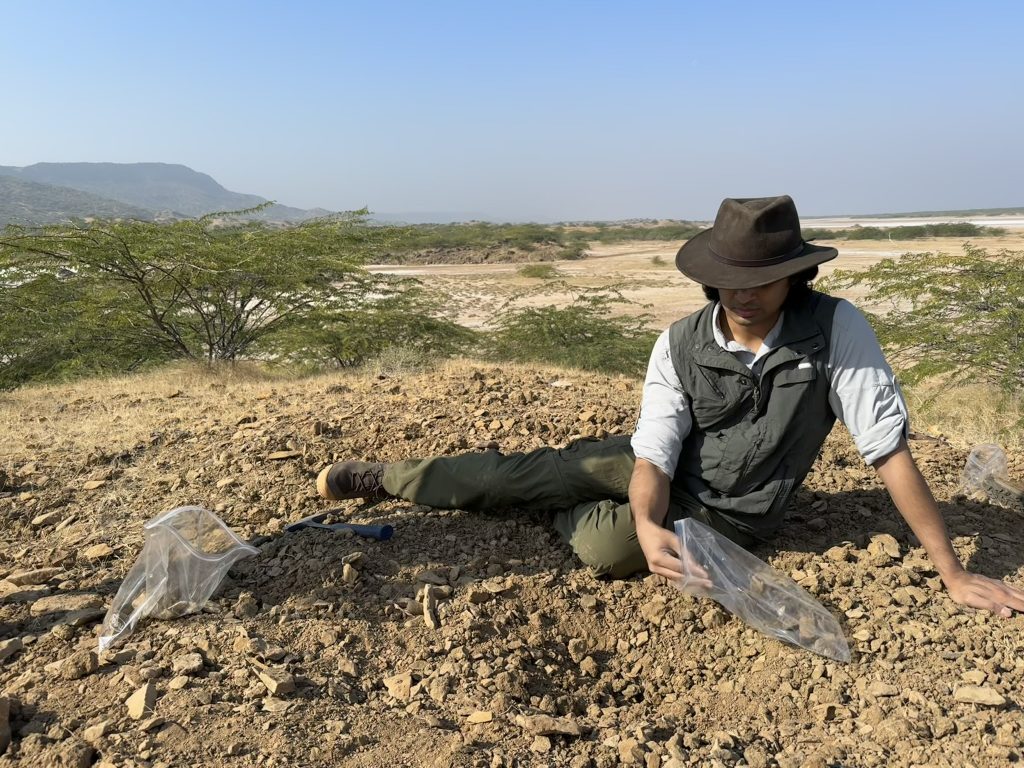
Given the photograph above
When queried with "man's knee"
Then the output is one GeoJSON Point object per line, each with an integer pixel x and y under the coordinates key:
{"type": "Point", "coordinates": [609, 555]}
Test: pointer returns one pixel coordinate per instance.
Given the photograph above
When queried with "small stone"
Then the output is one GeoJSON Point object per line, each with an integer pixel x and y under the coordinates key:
{"type": "Point", "coordinates": [225, 482]}
{"type": "Point", "coordinates": [98, 552]}
{"type": "Point", "coordinates": [278, 681]}
{"type": "Point", "coordinates": [884, 547]}
{"type": "Point", "coordinates": [349, 575]}
{"type": "Point", "coordinates": [589, 667]}
{"type": "Point", "coordinates": [45, 519]}
{"type": "Point", "coordinates": [479, 596]}
{"type": "Point", "coordinates": [630, 752]}
{"type": "Point", "coordinates": [713, 617]}
{"type": "Point", "coordinates": [79, 665]}
{"type": "Point", "coordinates": [577, 648]}
{"type": "Point", "coordinates": [92, 485]}
{"type": "Point", "coordinates": [10, 647]}
{"type": "Point", "coordinates": [179, 682]}
{"type": "Point", "coordinates": [246, 606]}
{"type": "Point", "coordinates": [65, 603]}
{"type": "Point", "coordinates": [281, 455]}
{"type": "Point", "coordinates": [432, 577]}
{"type": "Point", "coordinates": [275, 706]}
{"type": "Point", "coordinates": [151, 723]}
{"type": "Point", "coordinates": [400, 685]}
{"type": "Point", "coordinates": [96, 732]}
{"type": "Point", "coordinates": [837, 554]}
{"type": "Point", "coordinates": [480, 716]}
{"type": "Point", "coordinates": [187, 664]}
{"type": "Point", "coordinates": [33, 577]}
{"type": "Point", "coordinates": [878, 689]}
{"type": "Point", "coordinates": [347, 667]}
{"type": "Point", "coordinates": [588, 603]}
{"type": "Point", "coordinates": [979, 694]}
{"type": "Point", "coordinates": [141, 702]}
{"type": "Point", "coordinates": [545, 725]}
{"type": "Point", "coordinates": [541, 744]}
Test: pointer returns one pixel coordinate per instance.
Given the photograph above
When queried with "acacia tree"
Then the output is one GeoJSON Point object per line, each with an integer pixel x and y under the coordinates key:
{"type": "Point", "coordinates": [114, 295]}
{"type": "Point", "coordinates": [961, 314]}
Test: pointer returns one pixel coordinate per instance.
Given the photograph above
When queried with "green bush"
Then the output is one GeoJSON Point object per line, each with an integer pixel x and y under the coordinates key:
{"type": "Point", "coordinates": [960, 315]}
{"type": "Point", "coordinates": [582, 335]}
{"type": "Point", "coordinates": [917, 232]}
{"type": "Point", "coordinates": [541, 270]}
{"type": "Point", "coordinates": [116, 296]}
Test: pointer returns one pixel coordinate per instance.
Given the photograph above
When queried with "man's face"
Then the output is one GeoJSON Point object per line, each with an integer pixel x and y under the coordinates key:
{"type": "Point", "coordinates": [755, 308]}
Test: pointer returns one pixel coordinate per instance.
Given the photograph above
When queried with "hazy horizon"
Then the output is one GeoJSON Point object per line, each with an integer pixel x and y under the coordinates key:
{"type": "Point", "coordinates": [534, 112]}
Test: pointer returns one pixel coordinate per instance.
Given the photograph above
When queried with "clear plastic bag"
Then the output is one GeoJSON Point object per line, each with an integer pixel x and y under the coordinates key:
{"type": "Point", "coordinates": [985, 475]}
{"type": "Point", "coordinates": [186, 554]}
{"type": "Point", "coordinates": [715, 567]}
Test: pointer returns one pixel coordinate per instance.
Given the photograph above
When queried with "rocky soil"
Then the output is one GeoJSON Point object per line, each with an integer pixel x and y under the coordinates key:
{"type": "Point", "coordinates": [466, 640]}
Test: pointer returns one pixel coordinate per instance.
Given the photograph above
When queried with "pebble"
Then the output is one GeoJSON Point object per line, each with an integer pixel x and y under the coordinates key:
{"type": "Point", "coordinates": [96, 732]}
{"type": "Point", "coordinates": [179, 682]}
{"type": "Point", "coordinates": [92, 485]}
{"type": "Point", "coordinates": [545, 725]}
{"type": "Point", "coordinates": [400, 685]}
{"type": "Point", "coordinates": [64, 603]}
{"type": "Point", "coordinates": [978, 694]}
{"type": "Point", "coordinates": [33, 576]}
{"type": "Point", "coordinates": [45, 519]}
{"type": "Point", "coordinates": [278, 681]}
{"type": "Point", "coordinates": [10, 647]}
{"type": "Point", "coordinates": [187, 664]}
{"type": "Point", "coordinates": [78, 665]}
{"type": "Point", "coordinates": [98, 552]}
{"type": "Point", "coordinates": [141, 702]}
{"type": "Point", "coordinates": [275, 706]}
{"type": "Point", "coordinates": [480, 716]}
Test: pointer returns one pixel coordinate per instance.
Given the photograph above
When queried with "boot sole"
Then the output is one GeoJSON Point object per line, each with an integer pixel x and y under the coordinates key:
{"type": "Point", "coordinates": [322, 486]}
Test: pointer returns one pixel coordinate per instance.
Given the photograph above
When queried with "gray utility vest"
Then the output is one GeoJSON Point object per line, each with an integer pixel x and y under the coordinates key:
{"type": "Point", "coordinates": [754, 439]}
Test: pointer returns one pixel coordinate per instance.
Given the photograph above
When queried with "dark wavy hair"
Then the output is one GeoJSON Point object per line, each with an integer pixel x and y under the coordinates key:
{"type": "Point", "coordinates": [799, 287]}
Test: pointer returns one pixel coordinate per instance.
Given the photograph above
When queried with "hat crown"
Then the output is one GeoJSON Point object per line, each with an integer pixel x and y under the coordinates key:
{"type": "Point", "coordinates": [756, 231]}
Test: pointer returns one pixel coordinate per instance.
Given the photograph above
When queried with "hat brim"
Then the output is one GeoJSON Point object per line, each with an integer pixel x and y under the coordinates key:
{"type": "Point", "coordinates": [697, 262]}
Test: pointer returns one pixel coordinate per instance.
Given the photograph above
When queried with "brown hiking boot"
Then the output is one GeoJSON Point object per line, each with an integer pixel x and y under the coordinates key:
{"type": "Point", "coordinates": [352, 480]}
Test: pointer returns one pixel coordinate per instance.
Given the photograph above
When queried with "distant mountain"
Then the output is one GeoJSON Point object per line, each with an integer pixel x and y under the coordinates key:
{"type": "Point", "coordinates": [26, 202]}
{"type": "Point", "coordinates": [157, 189]}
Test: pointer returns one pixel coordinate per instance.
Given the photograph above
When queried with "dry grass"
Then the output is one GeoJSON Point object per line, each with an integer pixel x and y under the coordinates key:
{"type": "Point", "coordinates": [968, 415]}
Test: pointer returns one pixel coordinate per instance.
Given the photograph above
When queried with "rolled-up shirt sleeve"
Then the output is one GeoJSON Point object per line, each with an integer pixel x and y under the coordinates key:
{"type": "Point", "coordinates": [665, 419]}
{"type": "Point", "coordinates": [864, 393]}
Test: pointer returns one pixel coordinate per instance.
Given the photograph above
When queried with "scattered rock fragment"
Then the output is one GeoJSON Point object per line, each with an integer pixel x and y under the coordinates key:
{"type": "Point", "coordinates": [141, 702]}
{"type": "Point", "coordinates": [94, 733]}
{"type": "Point", "coordinates": [65, 603]}
{"type": "Point", "coordinates": [400, 685]}
{"type": "Point", "coordinates": [545, 725]}
{"type": "Point", "coordinates": [78, 665]}
{"type": "Point", "coordinates": [282, 455]}
{"type": "Point", "coordinates": [480, 716]}
{"type": "Point", "coordinates": [10, 647]}
{"type": "Point", "coordinates": [187, 664]}
{"type": "Point", "coordinates": [33, 576]}
{"type": "Point", "coordinates": [979, 694]}
{"type": "Point", "coordinates": [98, 552]}
{"type": "Point", "coordinates": [92, 485]}
{"type": "Point", "coordinates": [278, 681]}
{"type": "Point", "coordinates": [45, 519]}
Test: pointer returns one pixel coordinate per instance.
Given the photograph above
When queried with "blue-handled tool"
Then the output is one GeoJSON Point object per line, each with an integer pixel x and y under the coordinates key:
{"type": "Point", "coordinates": [378, 532]}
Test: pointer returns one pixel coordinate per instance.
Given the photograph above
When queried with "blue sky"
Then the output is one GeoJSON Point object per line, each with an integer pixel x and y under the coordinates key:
{"type": "Point", "coordinates": [533, 110]}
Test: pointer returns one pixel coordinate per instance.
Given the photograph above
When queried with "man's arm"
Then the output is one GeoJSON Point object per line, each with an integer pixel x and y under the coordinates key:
{"type": "Point", "coordinates": [648, 500]}
{"type": "Point", "coordinates": [914, 500]}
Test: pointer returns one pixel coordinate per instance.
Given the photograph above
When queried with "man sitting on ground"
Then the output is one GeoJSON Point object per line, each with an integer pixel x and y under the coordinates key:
{"type": "Point", "coordinates": [738, 400]}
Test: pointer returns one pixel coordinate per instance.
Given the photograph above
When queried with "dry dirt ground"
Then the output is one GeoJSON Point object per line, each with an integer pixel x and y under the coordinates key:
{"type": "Point", "coordinates": [318, 651]}
{"type": "Point", "coordinates": [645, 273]}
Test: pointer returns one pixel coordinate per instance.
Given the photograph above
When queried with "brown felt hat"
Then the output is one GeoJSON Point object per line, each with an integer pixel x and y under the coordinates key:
{"type": "Point", "coordinates": [754, 241]}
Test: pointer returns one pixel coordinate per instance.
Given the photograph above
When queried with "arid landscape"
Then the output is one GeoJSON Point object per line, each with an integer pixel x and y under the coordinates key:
{"type": "Point", "coordinates": [468, 639]}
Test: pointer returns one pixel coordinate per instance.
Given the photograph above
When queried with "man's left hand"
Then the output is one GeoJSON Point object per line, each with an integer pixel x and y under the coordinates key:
{"type": "Point", "coordinates": [978, 591]}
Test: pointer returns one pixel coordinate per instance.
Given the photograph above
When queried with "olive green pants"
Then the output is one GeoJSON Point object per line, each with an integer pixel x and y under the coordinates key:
{"type": "Point", "coordinates": [585, 485]}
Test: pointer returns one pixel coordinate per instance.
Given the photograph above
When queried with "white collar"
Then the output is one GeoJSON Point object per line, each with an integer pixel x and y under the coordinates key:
{"type": "Point", "coordinates": [734, 346]}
